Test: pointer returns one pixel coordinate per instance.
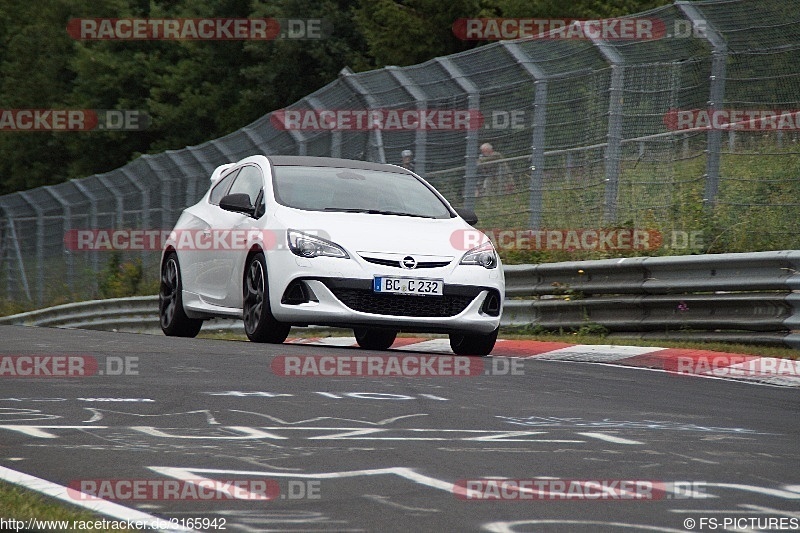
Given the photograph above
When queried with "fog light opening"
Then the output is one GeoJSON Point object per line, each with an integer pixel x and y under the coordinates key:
{"type": "Point", "coordinates": [491, 305]}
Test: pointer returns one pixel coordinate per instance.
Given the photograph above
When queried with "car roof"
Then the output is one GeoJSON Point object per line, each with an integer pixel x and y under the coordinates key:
{"type": "Point", "coordinates": [310, 161]}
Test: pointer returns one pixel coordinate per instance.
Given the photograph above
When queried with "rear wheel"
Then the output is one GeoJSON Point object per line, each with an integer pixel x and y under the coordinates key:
{"type": "Point", "coordinates": [259, 324]}
{"type": "Point", "coordinates": [374, 339]}
{"type": "Point", "coordinates": [473, 344]}
{"type": "Point", "coordinates": [174, 322]}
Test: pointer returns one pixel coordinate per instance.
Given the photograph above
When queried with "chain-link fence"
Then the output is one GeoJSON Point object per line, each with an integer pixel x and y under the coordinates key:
{"type": "Point", "coordinates": [590, 134]}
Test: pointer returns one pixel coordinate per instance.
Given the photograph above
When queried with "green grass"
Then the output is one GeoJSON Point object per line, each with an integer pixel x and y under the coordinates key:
{"type": "Point", "coordinates": [23, 504]}
{"type": "Point", "coordinates": [756, 210]}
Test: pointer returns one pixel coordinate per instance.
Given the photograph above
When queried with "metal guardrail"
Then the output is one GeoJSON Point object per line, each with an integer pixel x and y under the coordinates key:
{"type": "Point", "coordinates": [137, 312]}
{"type": "Point", "coordinates": [747, 297]}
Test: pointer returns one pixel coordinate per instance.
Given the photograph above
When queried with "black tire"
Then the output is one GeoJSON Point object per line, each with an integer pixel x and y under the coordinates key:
{"type": "Point", "coordinates": [374, 339]}
{"type": "Point", "coordinates": [174, 322]}
{"type": "Point", "coordinates": [475, 344]}
{"type": "Point", "coordinates": [259, 324]}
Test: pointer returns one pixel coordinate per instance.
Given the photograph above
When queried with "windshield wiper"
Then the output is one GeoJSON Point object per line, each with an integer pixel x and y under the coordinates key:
{"type": "Point", "coordinates": [374, 212]}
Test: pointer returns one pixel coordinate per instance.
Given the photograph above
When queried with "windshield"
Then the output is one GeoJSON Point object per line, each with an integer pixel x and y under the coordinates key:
{"type": "Point", "coordinates": [359, 191]}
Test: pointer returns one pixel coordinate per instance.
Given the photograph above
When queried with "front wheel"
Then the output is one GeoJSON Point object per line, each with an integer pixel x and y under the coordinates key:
{"type": "Point", "coordinates": [174, 322]}
{"type": "Point", "coordinates": [473, 344]}
{"type": "Point", "coordinates": [374, 339]}
{"type": "Point", "coordinates": [259, 324]}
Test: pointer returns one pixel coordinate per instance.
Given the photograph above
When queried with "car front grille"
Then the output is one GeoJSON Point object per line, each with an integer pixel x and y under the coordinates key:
{"type": "Point", "coordinates": [366, 301]}
{"type": "Point", "coordinates": [398, 264]}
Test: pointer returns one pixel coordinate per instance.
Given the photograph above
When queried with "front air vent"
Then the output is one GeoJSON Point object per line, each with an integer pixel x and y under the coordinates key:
{"type": "Point", "coordinates": [298, 293]}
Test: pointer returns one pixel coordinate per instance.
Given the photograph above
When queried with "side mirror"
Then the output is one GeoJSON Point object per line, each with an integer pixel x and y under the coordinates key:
{"type": "Point", "coordinates": [468, 215]}
{"type": "Point", "coordinates": [238, 203]}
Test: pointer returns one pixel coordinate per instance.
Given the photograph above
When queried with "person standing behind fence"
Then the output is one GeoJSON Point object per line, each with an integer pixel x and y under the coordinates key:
{"type": "Point", "coordinates": [407, 160]}
{"type": "Point", "coordinates": [494, 176]}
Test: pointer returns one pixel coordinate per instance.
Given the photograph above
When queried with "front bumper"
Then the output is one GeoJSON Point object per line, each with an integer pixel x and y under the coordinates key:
{"type": "Point", "coordinates": [343, 302]}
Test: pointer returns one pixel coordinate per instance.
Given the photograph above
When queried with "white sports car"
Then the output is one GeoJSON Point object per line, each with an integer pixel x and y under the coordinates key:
{"type": "Point", "coordinates": [285, 241]}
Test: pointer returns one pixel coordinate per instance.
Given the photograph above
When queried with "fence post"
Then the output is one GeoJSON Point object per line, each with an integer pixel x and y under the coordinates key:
{"type": "Point", "coordinates": [471, 151]}
{"type": "Point", "coordinates": [145, 209]}
{"type": "Point", "coordinates": [23, 276]}
{"type": "Point", "coordinates": [421, 99]}
{"type": "Point", "coordinates": [299, 138]}
{"type": "Point", "coordinates": [5, 255]}
{"type": "Point", "coordinates": [40, 234]}
{"type": "Point", "coordinates": [538, 126]}
{"type": "Point", "coordinates": [614, 146]}
{"type": "Point", "coordinates": [716, 97]}
{"type": "Point", "coordinates": [335, 141]}
{"type": "Point", "coordinates": [117, 199]}
{"type": "Point", "coordinates": [65, 208]}
{"type": "Point", "coordinates": [165, 191]}
{"type": "Point", "coordinates": [3, 246]}
{"type": "Point", "coordinates": [349, 79]}
{"type": "Point", "coordinates": [258, 143]}
{"type": "Point", "coordinates": [93, 225]}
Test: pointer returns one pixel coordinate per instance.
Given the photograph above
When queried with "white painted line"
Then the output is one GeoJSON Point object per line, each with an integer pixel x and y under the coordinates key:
{"type": "Point", "coordinates": [39, 431]}
{"type": "Point", "coordinates": [333, 341]}
{"type": "Point", "coordinates": [433, 345]}
{"type": "Point", "coordinates": [610, 438]}
{"type": "Point", "coordinates": [186, 474]}
{"type": "Point", "coordinates": [113, 510]}
{"type": "Point", "coordinates": [597, 352]}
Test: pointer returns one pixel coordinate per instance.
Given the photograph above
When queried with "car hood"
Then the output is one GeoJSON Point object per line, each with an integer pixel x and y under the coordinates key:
{"type": "Point", "coordinates": [393, 234]}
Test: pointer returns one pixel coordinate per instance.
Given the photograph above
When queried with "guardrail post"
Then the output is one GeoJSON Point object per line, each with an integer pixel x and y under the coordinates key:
{"type": "Point", "coordinates": [716, 97]}
{"type": "Point", "coordinates": [471, 151]}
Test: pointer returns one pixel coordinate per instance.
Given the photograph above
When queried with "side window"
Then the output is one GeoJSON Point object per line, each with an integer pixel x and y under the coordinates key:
{"type": "Point", "coordinates": [221, 188]}
{"type": "Point", "coordinates": [250, 182]}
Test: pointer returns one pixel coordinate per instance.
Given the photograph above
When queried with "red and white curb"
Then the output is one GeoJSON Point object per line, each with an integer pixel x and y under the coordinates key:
{"type": "Point", "coordinates": [680, 361]}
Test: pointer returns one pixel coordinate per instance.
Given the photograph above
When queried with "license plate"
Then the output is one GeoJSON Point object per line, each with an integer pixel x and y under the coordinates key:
{"type": "Point", "coordinates": [417, 286]}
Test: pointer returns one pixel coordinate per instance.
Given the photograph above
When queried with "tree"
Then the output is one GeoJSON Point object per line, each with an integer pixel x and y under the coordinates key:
{"type": "Point", "coordinates": [412, 31]}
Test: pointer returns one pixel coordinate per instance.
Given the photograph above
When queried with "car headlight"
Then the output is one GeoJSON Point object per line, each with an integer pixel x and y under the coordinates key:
{"type": "Point", "coordinates": [483, 255]}
{"type": "Point", "coordinates": [306, 245]}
